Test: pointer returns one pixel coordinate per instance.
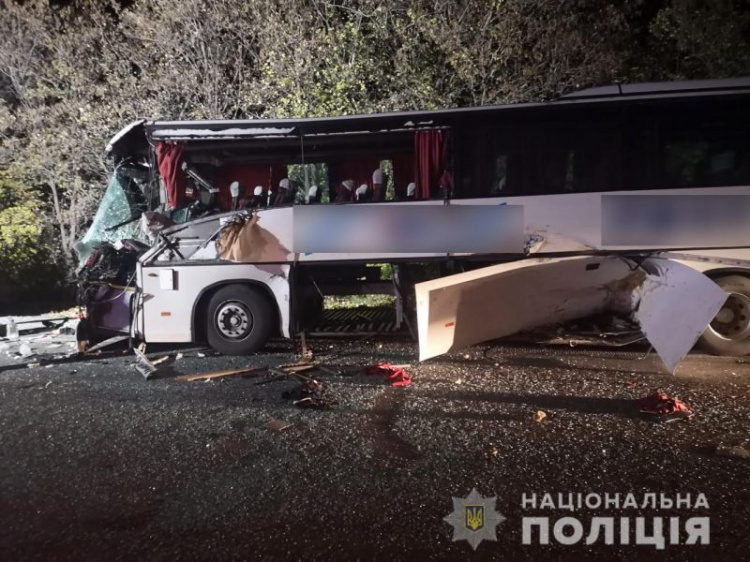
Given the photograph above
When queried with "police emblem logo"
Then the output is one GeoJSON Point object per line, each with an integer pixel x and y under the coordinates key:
{"type": "Point", "coordinates": [474, 519]}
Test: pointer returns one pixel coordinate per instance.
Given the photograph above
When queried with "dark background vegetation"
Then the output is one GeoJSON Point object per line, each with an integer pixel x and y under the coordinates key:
{"type": "Point", "coordinates": [73, 73]}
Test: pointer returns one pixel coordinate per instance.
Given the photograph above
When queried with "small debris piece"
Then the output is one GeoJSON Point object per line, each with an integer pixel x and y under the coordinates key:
{"type": "Point", "coordinates": [660, 407]}
{"type": "Point", "coordinates": [143, 365]}
{"type": "Point", "coordinates": [34, 365]}
{"type": "Point", "coordinates": [293, 365]}
{"type": "Point", "coordinates": [199, 354]}
{"type": "Point", "coordinates": [178, 357]}
{"type": "Point", "coordinates": [160, 360]}
{"type": "Point", "coordinates": [310, 394]}
{"type": "Point", "coordinates": [142, 347]}
{"type": "Point", "coordinates": [307, 353]}
{"type": "Point", "coordinates": [733, 452]}
{"type": "Point", "coordinates": [25, 350]}
{"type": "Point", "coordinates": [106, 343]}
{"type": "Point", "coordinates": [278, 425]}
{"type": "Point", "coordinates": [219, 374]}
{"type": "Point", "coordinates": [394, 373]}
{"type": "Point", "coordinates": [540, 416]}
{"type": "Point", "coordinates": [48, 383]}
{"type": "Point", "coordinates": [299, 368]}
{"type": "Point", "coordinates": [459, 381]}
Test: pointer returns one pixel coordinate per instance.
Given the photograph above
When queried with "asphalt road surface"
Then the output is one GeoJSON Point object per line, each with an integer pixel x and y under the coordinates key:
{"type": "Point", "coordinates": [98, 463]}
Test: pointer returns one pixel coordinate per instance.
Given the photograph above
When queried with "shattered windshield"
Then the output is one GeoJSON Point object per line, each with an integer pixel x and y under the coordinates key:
{"type": "Point", "coordinates": [118, 213]}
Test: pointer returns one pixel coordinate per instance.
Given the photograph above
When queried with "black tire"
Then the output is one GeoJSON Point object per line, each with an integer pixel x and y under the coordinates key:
{"type": "Point", "coordinates": [240, 320]}
{"type": "Point", "coordinates": [729, 332]}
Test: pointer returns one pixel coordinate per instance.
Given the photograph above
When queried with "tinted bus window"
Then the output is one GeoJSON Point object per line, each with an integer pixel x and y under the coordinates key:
{"type": "Point", "coordinates": [708, 152]}
{"type": "Point", "coordinates": [488, 164]}
{"type": "Point", "coordinates": [574, 158]}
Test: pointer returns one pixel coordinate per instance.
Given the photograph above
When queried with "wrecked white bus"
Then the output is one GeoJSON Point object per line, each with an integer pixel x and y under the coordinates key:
{"type": "Point", "coordinates": [231, 232]}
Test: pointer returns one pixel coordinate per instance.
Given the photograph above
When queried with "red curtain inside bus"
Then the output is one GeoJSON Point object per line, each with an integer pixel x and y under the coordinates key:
{"type": "Point", "coordinates": [168, 157]}
{"type": "Point", "coordinates": [430, 157]}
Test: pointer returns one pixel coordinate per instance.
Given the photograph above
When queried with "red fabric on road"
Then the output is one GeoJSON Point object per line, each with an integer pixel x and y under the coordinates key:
{"type": "Point", "coordinates": [396, 375]}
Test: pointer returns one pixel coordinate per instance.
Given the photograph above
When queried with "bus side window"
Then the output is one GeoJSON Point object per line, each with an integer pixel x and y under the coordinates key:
{"type": "Point", "coordinates": [578, 160]}
{"type": "Point", "coordinates": [488, 168]}
{"type": "Point", "coordinates": [714, 153]}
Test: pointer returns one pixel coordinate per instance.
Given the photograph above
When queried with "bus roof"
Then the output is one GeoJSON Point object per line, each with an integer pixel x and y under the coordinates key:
{"type": "Point", "coordinates": [207, 130]}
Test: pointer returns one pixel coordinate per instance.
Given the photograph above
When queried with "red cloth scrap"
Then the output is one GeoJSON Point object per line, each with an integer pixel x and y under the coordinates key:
{"type": "Point", "coordinates": [396, 375]}
{"type": "Point", "coordinates": [662, 403]}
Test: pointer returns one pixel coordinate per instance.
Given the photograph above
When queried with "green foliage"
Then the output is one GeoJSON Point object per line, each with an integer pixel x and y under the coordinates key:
{"type": "Point", "coordinates": [22, 233]}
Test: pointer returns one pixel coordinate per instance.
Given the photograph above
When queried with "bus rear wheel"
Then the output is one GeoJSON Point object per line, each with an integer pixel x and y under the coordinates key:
{"type": "Point", "coordinates": [240, 320]}
{"type": "Point", "coordinates": [729, 331]}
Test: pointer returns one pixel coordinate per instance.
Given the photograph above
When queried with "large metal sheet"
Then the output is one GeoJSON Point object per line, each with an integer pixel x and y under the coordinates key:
{"type": "Point", "coordinates": [673, 306]}
{"type": "Point", "coordinates": [497, 301]}
{"type": "Point", "coordinates": [672, 302]}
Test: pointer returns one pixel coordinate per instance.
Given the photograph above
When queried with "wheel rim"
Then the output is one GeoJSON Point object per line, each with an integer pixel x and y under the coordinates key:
{"type": "Point", "coordinates": [233, 320]}
{"type": "Point", "coordinates": [732, 322]}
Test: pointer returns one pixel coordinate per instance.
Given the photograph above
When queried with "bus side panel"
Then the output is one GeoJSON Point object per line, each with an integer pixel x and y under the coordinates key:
{"type": "Point", "coordinates": [573, 222]}
{"type": "Point", "coordinates": [171, 295]}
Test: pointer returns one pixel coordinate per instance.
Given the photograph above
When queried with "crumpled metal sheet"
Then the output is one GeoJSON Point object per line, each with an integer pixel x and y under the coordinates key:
{"type": "Point", "coordinates": [672, 302]}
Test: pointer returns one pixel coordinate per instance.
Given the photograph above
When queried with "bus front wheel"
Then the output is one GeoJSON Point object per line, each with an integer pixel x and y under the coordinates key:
{"type": "Point", "coordinates": [729, 331]}
{"type": "Point", "coordinates": [240, 320]}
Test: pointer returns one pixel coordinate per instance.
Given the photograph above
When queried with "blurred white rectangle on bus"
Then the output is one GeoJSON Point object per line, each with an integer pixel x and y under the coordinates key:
{"type": "Point", "coordinates": [412, 228]}
{"type": "Point", "coordinates": [669, 221]}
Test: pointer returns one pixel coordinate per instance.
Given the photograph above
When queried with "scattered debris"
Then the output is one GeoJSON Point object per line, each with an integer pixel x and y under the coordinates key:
{"type": "Point", "coordinates": [48, 383]}
{"type": "Point", "coordinates": [160, 360]}
{"type": "Point", "coordinates": [733, 452]}
{"type": "Point", "coordinates": [540, 416]}
{"type": "Point", "coordinates": [394, 373]}
{"type": "Point", "coordinates": [143, 365]}
{"type": "Point", "coordinates": [219, 374]}
{"type": "Point", "coordinates": [293, 365]}
{"type": "Point", "coordinates": [310, 394]}
{"type": "Point", "coordinates": [34, 365]}
{"type": "Point", "coordinates": [300, 368]}
{"type": "Point", "coordinates": [107, 343]}
{"type": "Point", "coordinates": [24, 350]}
{"type": "Point", "coordinates": [278, 425]}
{"type": "Point", "coordinates": [199, 354]}
{"type": "Point", "coordinates": [178, 356]}
{"type": "Point", "coordinates": [660, 407]}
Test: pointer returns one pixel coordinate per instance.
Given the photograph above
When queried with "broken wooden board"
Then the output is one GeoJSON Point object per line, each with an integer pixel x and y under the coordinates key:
{"type": "Point", "coordinates": [219, 374]}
